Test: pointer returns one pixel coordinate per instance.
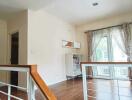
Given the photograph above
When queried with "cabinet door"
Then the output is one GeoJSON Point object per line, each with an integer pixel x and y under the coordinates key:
{"type": "Point", "coordinates": [76, 64]}
{"type": "Point", "coordinates": [69, 65]}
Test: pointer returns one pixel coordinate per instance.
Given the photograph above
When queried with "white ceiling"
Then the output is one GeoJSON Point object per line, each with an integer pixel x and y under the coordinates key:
{"type": "Point", "coordinates": [82, 11]}
{"type": "Point", "coordinates": [10, 7]}
{"type": "Point", "coordinates": [74, 11]}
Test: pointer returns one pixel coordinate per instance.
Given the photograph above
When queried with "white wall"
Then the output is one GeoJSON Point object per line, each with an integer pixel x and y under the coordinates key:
{"type": "Point", "coordinates": [3, 42]}
{"type": "Point", "coordinates": [3, 50]}
{"type": "Point", "coordinates": [115, 20]}
{"type": "Point", "coordinates": [19, 23]}
{"type": "Point", "coordinates": [82, 38]}
{"type": "Point", "coordinates": [45, 35]}
{"type": "Point", "coordinates": [111, 21]}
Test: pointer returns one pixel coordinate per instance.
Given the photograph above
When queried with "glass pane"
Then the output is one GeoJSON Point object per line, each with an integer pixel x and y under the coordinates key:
{"type": "Point", "coordinates": [119, 56]}
{"type": "Point", "coordinates": [102, 50]}
{"type": "Point", "coordinates": [102, 55]}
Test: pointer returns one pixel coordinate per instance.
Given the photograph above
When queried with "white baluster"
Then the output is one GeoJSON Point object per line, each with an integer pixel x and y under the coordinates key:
{"type": "Point", "coordinates": [84, 82]}
{"type": "Point", "coordinates": [9, 92]}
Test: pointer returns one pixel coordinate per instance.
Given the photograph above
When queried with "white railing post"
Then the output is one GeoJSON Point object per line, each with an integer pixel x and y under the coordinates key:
{"type": "Point", "coordinates": [29, 86]}
{"type": "Point", "coordinates": [84, 82]}
{"type": "Point", "coordinates": [9, 92]}
{"type": "Point", "coordinates": [32, 89]}
{"type": "Point", "coordinates": [27, 82]}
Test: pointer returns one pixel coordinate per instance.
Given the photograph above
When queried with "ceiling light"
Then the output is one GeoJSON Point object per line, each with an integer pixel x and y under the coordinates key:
{"type": "Point", "coordinates": [95, 4]}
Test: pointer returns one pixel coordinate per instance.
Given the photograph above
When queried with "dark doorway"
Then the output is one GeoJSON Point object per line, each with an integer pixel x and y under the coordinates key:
{"type": "Point", "coordinates": [14, 57]}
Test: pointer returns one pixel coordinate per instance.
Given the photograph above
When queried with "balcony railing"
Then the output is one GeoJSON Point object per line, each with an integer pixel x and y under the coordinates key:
{"type": "Point", "coordinates": [112, 65]}
{"type": "Point", "coordinates": [33, 79]}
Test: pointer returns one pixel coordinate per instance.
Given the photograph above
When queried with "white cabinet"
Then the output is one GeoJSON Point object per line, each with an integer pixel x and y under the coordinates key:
{"type": "Point", "coordinates": [73, 65]}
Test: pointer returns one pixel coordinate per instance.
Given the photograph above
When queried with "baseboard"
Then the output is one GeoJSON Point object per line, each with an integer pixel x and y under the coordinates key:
{"type": "Point", "coordinates": [57, 82]}
{"type": "Point", "coordinates": [21, 90]}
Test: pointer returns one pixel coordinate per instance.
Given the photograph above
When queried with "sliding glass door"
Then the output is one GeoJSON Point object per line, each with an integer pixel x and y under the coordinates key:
{"type": "Point", "coordinates": [108, 50]}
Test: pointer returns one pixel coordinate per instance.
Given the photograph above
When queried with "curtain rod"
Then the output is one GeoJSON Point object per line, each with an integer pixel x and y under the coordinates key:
{"type": "Point", "coordinates": [105, 27]}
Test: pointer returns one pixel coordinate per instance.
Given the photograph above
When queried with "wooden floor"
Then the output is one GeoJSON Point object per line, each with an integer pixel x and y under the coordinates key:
{"type": "Point", "coordinates": [105, 90]}
{"type": "Point", "coordinates": [20, 94]}
{"type": "Point", "coordinates": [72, 90]}
{"type": "Point", "coordinates": [15, 92]}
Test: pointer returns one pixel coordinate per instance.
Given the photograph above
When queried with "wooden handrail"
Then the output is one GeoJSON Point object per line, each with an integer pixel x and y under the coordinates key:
{"type": "Point", "coordinates": [38, 80]}
{"type": "Point", "coordinates": [81, 63]}
{"type": "Point", "coordinates": [41, 84]}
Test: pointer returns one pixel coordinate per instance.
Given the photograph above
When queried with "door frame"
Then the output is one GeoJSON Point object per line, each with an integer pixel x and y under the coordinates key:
{"type": "Point", "coordinates": [9, 51]}
{"type": "Point", "coordinates": [9, 47]}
